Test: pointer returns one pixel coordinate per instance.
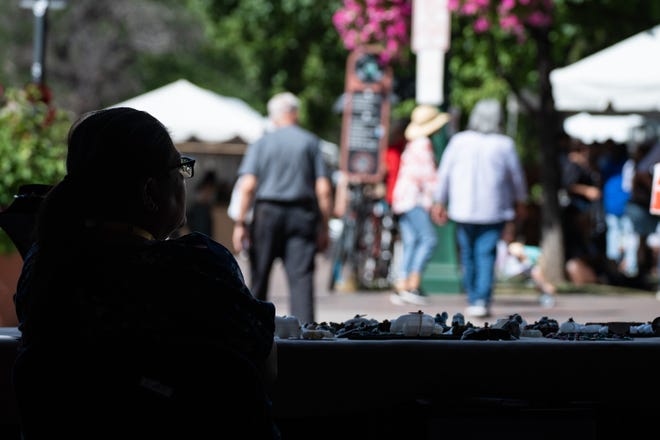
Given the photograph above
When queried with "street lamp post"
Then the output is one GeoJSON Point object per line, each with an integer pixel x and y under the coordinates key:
{"type": "Point", "coordinates": [40, 11]}
{"type": "Point", "coordinates": [430, 41]}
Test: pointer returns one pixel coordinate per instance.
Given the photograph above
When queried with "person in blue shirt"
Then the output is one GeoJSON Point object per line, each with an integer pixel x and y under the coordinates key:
{"type": "Point", "coordinates": [620, 241]}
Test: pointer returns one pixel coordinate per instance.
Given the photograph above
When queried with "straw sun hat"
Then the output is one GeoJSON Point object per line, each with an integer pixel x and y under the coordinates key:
{"type": "Point", "coordinates": [424, 121]}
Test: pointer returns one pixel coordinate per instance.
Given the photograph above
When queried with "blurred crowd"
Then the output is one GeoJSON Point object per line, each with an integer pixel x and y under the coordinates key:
{"type": "Point", "coordinates": [610, 234]}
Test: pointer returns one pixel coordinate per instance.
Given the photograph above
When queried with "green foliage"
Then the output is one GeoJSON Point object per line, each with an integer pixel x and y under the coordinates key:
{"type": "Point", "coordinates": [274, 46]}
{"type": "Point", "coordinates": [32, 145]}
{"type": "Point", "coordinates": [497, 64]}
{"type": "Point", "coordinates": [403, 109]}
{"type": "Point", "coordinates": [583, 27]}
{"type": "Point", "coordinates": [477, 64]}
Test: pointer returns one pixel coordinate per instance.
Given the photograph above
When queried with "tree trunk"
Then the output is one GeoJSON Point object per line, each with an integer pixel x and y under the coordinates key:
{"type": "Point", "coordinates": [547, 119]}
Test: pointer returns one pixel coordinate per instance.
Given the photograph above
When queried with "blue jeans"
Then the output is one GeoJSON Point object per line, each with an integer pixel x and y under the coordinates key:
{"type": "Point", "coordinates": [418, 238]}
{"type": "Point", "coordinates": [622, 242]}
{"type": "Point", "coordinates": [478, 248]}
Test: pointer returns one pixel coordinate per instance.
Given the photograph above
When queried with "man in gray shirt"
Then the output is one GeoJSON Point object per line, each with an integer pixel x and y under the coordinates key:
{"type": "Point", "coordinates": [284, 176]}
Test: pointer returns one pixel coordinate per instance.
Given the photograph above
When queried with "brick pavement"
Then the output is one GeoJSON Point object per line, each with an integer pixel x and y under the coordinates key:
{"type": "Point", "coordinates": [609, 304]}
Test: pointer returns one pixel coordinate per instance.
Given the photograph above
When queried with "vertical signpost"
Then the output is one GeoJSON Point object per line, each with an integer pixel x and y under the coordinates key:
{"type": "Point", "coordinates": [430, 40]}
{"type": "Point", "coordinates": [365, 123]}
{"type": "Point", "coordinates": [364, 138]}
{"type": "Point", "coordinates": [40, 11]}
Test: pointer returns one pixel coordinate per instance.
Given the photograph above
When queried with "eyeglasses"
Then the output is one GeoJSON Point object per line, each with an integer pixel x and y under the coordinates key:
{"type": "Point", "coordinates": [186, 167]}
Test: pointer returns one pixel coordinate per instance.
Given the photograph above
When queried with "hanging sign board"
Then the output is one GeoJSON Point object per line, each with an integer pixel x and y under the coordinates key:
{"type": "Point", "coordinates": [366, 114]}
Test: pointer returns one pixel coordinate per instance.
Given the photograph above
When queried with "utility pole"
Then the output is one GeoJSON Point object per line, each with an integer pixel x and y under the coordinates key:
{"type": "Point", "coordinates": [40, 11]}
{"type": "Point", "coordinates": [430, 40]}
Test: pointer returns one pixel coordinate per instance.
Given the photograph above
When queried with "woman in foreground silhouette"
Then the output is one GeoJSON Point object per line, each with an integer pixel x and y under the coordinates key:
{"type": "Point", "coordinates": [126, 333]}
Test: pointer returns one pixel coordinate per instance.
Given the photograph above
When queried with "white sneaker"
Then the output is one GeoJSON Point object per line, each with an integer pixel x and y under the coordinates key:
{"type": "Point", "coordinates": [396, 299]}
{"type": "Point", "coordinates": [477, 311]}
{"type": "Point", "coordinates": [414, 297]}
{"type": "Point", "coordinates": [547, 301]}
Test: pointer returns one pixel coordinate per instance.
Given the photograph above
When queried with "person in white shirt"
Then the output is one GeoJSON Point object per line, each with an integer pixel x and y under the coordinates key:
{"type": "Point", "coordinates": [481, 186]}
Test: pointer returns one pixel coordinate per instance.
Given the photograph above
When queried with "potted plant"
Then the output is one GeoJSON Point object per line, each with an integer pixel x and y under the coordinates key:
{"type": "Point", "coordinates": [32, 150]}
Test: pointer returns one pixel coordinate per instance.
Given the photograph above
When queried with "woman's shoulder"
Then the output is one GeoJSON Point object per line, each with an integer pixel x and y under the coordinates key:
{"type": "Point", "coordinates": [194, 241]}
{"type": "Point", "coordinates": [194, 250]}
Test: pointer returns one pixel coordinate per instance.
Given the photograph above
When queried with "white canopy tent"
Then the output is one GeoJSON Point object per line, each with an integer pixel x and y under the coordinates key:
{"type": "Point", "coordinates": [591, 129]}
{"type": "Point", "coordinates": [192, 113]}
{"type": "Point", "coordinates": [623, 78]}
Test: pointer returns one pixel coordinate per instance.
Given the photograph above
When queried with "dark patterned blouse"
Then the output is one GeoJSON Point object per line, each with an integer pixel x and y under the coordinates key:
{"type": "Point", "coordinates": [114, 289]}
{"type": "Point", "coordinates": [140, 331]}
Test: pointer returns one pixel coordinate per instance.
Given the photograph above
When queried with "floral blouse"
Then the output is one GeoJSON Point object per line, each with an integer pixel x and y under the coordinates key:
{"type": "Point", "coordinates": [416, 180]}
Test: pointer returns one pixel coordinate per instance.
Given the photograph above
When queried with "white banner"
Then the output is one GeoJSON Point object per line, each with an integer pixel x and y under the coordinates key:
{"type": "Point", "coordinates": [430, 77]}
{"type": "Point", "coordinates": [431, 22]}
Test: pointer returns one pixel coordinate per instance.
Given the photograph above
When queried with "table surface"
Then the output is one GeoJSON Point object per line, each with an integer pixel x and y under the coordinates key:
{"type": "Point", "coordinates": [345, 375]}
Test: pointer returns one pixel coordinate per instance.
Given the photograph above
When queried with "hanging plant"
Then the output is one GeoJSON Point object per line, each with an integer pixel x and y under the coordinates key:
{"type": "Point", "coordinates": [512, 16]}
{"type": "Point", "coordinates": [382, 23]}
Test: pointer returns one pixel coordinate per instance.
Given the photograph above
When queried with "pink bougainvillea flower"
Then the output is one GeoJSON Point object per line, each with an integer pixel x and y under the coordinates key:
{"type": "Point", "coordinates": [509, 22]}
{"type": "Point", "coordinates": [385, 23]}
{"type": "Point", "coordinates": [453, 5]}
{"type": "Point", "coordinates": [539, 19]}
{"type": "Point", "coordinates": [512, 15]}
{"type": "Point", "coordinates": [507, 5]}
{"type": "Point", "coordinates": [481, 24]}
